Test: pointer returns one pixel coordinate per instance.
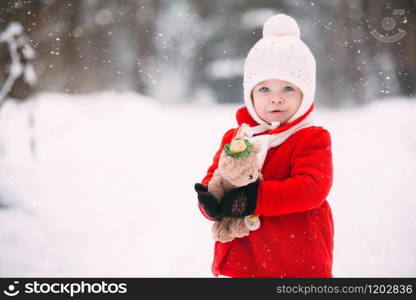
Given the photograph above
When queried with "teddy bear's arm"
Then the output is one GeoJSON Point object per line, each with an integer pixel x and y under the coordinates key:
{"type": "Point", "coordinates": [210, 172]}
{"type": "Point", "coordinates": [215, 186]}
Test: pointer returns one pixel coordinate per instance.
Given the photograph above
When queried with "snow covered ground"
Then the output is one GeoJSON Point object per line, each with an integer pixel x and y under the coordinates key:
{"type": "Point", "coordinates": [109, 188]}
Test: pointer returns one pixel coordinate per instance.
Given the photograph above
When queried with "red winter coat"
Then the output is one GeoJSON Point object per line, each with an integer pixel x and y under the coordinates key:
{"type": "Point", "coordinates": [295, 238]}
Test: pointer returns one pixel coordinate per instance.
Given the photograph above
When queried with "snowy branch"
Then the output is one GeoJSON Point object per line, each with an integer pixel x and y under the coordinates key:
{"type": "Point", "coordinates": [21, 53]}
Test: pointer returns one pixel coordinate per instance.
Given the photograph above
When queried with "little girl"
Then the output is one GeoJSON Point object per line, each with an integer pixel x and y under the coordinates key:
{"type": "Point", "coordinates": [295, 238]}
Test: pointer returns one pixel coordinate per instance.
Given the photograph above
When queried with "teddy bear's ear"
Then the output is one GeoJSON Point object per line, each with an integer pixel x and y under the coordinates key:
{"type": "Point", "coordinates": [256, 147]}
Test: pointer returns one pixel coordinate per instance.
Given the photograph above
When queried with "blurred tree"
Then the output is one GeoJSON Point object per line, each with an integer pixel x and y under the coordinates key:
{"type": "Point", "coordinates": [234, 28]}
{"type": "Point", "coordinates": [195, 50]}
{"type": "Point", "coordinates": [147, 13]}
{"type": "Point", "coordinates": [405, 49]}
{"type": "Point", "coordinates": [350, 45]}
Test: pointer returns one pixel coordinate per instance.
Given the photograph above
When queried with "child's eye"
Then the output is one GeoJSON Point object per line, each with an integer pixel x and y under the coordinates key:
{"type": "Point", "coordinates": [264, 89]}
{"type": "Point", "coordinates": [288, 89]}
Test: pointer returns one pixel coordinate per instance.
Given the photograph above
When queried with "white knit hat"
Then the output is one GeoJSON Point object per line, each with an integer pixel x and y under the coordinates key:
{"type": "Point", "coordinates": [280, 54]}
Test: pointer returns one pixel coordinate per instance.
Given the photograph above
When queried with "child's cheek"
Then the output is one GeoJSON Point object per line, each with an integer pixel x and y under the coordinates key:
{"type": "Point", "coordinates": [256, 102]}
{"type": "Point", "coordinates": [260, 105]}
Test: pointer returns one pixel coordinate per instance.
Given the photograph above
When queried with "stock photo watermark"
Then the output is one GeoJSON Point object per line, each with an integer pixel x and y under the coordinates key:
{"type": "Point", "coordinates": [389, 24]}
{"type": "Point", "coordinates": [71, 289]}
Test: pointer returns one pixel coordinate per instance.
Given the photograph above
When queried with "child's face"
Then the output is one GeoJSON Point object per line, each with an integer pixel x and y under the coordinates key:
{"type": "Point", "coordinates": [276, 100]}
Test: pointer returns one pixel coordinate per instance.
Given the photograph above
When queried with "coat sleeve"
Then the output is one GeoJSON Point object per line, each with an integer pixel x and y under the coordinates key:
{"type": "Point", "coordinates": [310, 178]}
{"type": "Point", "coordinates": [210, 172]}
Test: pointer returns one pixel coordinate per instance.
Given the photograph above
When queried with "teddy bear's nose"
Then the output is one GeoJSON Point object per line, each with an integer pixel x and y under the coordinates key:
{"type": "Point", "coordinates": [250, 176]}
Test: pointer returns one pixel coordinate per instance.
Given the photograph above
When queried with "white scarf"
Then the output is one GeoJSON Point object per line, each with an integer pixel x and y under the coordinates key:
{"type": "Point", "coordinates": [272, 140]}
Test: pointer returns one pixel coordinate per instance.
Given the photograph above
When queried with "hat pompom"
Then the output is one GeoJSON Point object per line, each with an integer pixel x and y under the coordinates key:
{"type": "Point", "coordinates": [281, 25]}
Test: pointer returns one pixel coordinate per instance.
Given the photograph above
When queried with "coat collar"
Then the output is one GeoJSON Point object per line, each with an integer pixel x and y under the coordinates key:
{"type": "Point", "coordinates": [243, 116]}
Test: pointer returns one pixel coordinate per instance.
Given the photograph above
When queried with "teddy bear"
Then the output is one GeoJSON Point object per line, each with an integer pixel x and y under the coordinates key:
{"type": "Point", "coordinates": [238, 166]}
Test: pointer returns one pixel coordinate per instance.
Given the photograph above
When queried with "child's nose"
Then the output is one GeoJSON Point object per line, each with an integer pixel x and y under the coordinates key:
{"type": "Point", "coordinates": [277, 100]}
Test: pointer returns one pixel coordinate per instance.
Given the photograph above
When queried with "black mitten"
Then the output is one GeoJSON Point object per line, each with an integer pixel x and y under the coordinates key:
{"type": "Point", "coordinates": [239, 202]}
{"type": "Point", "coordinates": [207, 201]}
